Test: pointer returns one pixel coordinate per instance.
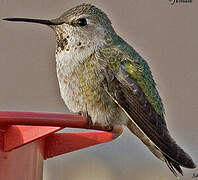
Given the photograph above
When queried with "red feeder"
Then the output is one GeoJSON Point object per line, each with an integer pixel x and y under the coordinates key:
{"type": "Point", "coordinates": [27, 138]}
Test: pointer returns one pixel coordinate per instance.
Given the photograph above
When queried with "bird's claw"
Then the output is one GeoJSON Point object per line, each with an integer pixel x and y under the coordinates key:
{"type": "Point", "coordinates": [97, 126]}
{"type": "Point", "coordinates": [86, 115]}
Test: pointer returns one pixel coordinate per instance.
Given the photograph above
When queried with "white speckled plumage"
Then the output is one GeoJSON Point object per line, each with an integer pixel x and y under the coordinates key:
{"type": "Point", "coordinates": [81, 90]}
{"type": "Point", "coordinates": [71, 63]}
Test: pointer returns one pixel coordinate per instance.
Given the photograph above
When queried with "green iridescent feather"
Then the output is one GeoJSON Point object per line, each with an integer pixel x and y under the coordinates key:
{"type": "Point", "coordinates": [137, 67]}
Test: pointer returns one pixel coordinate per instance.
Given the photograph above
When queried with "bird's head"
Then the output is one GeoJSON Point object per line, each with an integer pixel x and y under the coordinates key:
{"type": "Point", "coordinates": [81, 27]}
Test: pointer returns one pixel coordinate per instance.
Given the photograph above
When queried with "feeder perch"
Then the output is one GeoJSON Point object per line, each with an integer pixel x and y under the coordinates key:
{"type": "Point", "coordinates": [29, 138]}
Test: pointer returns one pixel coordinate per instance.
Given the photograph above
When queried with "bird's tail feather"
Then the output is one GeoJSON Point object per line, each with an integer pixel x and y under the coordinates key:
{"type": "Point", "coordinates": [181, 157]}
{"type": "Point", "coordinates": [173, 166]}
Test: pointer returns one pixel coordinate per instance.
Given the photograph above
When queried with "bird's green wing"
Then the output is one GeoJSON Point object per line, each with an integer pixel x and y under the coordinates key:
{"type": "Point", "coordinates": [133, 89]}
{"type": "Point", "coordinates": [138, 70]}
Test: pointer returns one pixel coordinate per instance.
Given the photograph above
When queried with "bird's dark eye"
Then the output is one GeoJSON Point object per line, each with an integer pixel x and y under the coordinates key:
{"type": "Point", "coordinates": [82, 22]}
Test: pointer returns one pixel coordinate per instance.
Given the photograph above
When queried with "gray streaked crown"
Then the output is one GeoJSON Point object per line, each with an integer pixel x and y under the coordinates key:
{"type": "Point", "coordinates": [87, 11]}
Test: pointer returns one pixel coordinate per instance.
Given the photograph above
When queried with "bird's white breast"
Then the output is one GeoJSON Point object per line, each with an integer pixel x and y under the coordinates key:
{"type": "Point", "coordinates": [79, 85]}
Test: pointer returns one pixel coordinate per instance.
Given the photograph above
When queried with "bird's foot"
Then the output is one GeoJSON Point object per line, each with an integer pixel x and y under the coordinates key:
{"type": "Point", "coordinates": [97, 126]}
{"type": "Point", "coordinates": [88, 117]}
{"type": "Point", "coordinates": [109, 128]}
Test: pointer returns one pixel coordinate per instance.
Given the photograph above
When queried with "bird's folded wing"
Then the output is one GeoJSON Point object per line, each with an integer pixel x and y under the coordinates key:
{"type": "Point", "coordinates": [127, 93]}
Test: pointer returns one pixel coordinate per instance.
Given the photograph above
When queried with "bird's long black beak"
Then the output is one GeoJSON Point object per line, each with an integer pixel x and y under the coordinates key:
{"type": "Point", "coordinates": [39, 21]}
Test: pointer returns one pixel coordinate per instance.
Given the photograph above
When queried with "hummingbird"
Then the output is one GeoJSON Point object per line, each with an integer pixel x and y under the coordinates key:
{"type": "Point", "coordinates": [100, 75]}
